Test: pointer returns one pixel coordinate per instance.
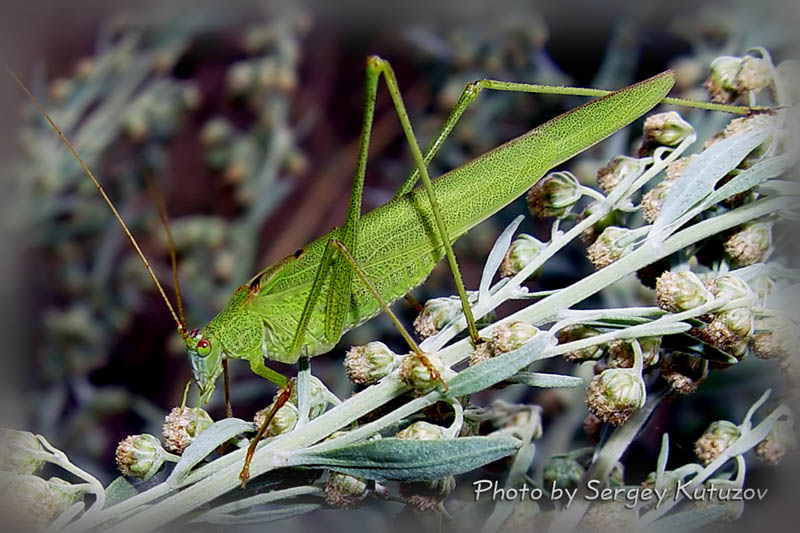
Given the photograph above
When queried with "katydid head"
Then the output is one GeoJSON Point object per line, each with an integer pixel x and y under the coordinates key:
{"type": "Point", "coordinates": [205, 358]}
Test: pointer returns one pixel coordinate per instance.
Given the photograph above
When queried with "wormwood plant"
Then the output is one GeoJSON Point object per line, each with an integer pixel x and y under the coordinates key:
{"type": "Point", "coordinates": [694, 221]}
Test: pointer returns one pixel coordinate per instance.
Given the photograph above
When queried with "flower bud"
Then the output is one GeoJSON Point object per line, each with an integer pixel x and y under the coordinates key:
{"type": "Point", "coordinates": [621, 355]}
{"type": "Point", "coordinates": [522, 251]}
{"type": "Point", "coordinates": [653, 200]}
{"type": "Point", "coordinates": [614, 394]}
{"type": "Point", "coordinates": [318, 396]}
{"type": "Point", "coordinates": [590, 234]}
{"type": "Point", "coordinates": [619, 169]}
{"type": "Point", "coordinates": [283, 422]}
{"type": "Point", "coordinates": [345, 492]}
{"type": "Point", "coordinates": [18, 452]}
{"type": "Point", "coordinates": [30, 499]}
{"type": "Point", "coordinates": [183, 425]}
{"type": "Point", "coordinates": [423, 373]}
{"type": "Point", "coordinates": [369, 363]}
{"type": "Point", "coordinates": [722, 331]}
{"type": "Point", "coordinates": [681, 291]}
{"type": "Point", "coordinates": [683, 372]}
{"type": "Point", "coordinates": [721, 83]}
{"type": "Point", "coordinates": [729, 287]}
{"type": "Point", "coordinates": [664, 129]}
{"type": "Point", "coordinates": [64, 494]}
{"type": "Point", "coordinates": [575, 333]}
{"type": "Point", "coordinates": [752, 244]}
{"type": "Point", "coordinates": [774, 336]}
{"type": "Point", "coordinates": [564, 471]}
{"type": "Point", "coordinates": [422, 430]}
{"type": "Point", "coordinates": [436, 314]}
{"type": "Point", "coordinates": [482, 352]}
{"type": "Point", "coordinates": [715, 440]}
{"type": "Point", "coordinates": [553, 195]}
{"type": "Point", "coordinates": [427, 495]}
{"type": "Point", "coordinates": [676, 169]}
{"type": "Point", "coordinates": [778, 442]}
{"type": "Point", "coordinates": [610, 246]}
{"type": "Point", "coordinates": [139, 456]}
{"type": "Point", "coordinates": [509, 337]}
{"type": "Point", "coordinates": [755, 74]}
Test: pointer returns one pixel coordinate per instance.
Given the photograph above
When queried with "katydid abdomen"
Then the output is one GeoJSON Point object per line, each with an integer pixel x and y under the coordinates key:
{"type": "Point", "coordinates": [398, 245]}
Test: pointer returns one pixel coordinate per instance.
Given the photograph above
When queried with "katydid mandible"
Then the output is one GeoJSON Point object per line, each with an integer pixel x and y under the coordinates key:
{"type": "Point", "coordinates": [302, 305]}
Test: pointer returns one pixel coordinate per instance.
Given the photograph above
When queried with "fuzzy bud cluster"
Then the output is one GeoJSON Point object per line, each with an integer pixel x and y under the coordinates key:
{"type": "Point", "coordinates": [610, 246]}
{"type": "Point", "coordinates": [553, 195]}
{"type": "Point", "coordinates": [681, 291]}
{"type": "Point", "coordinates": [284, 421]}
{"type": "Point", "coordinates": [422, 430]}
{"type": "Point", "coordinates": [621, 168]}
{"type": "Point", "coordinates": [509, 337]}
{"type": "Point", "coordinates": [345, 492]}
{"type": "Point", "coordinates": [436, 314]}
{"type": "Point", "coordinates": [523, 250]}
{"type": "Point", "coordinates": [664, 129]}
{"type": "Point", "coordinates": [683, 372]}
{"type": "Point", "coordinates": [779, 441]}
{"type": "Point", "coordinates": [564, 471]}
{"type": "Point", "coordinates": [140, 456]}
{"type": "Point", "coordinates": [19, 452]}
{"type": "Point", "coordinates": [729, 329]}
{"type": "Point", "coordinates": [732, 76]}
{"type": "Point", "coordinates": [621, 352]}
{"type": "Point", "coordinates": [578, 332]}
{"type": "Point", "coordinates": [774, 336]}
{"type": "Point", "coordinates": [183, 425]}
{"type": "Point", "coordinates": [614, 394]}
{"type": "Point", "coordinates": [427, 495]}
{"type": "Point", "coordinates": [370, 363]}
{"type": "Point", "coordinates": [715, 440]}
{"type": "Point", "coordinates": [751, 244]}
{"type": "Point", "coordinates": [422, 372]}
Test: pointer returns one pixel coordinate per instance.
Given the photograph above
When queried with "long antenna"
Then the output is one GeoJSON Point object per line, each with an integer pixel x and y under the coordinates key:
{"type": "Point", "coordinates": [155, 192]}
{"type": "Point", "coordinates": [181, 326]}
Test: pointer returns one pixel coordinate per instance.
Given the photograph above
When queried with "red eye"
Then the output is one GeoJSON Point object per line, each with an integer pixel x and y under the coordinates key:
{"type": "Point", "coordinates": [204, 347]}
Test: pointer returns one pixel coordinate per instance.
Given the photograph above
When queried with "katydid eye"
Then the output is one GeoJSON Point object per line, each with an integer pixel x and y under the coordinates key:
{"type": "Point", "coordinates": [204, 347]}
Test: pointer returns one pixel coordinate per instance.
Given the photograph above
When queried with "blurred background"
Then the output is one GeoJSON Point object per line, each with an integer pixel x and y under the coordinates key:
{"type": "Point", "coordinates": [246, 116]}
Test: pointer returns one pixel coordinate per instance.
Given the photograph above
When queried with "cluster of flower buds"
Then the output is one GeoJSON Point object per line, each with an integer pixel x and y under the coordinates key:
{"type": "Point", "coordinates": [369, 363]}
{"type": "Point", "coordinates": [779, 441]}
{"type": "Point", "coordinates": [345, 492]}
{"type": "Point", "coordinates": [590, 234]}
{"type": "Point", "coordinates": [730, 329]}
{"type": "Point", "coordinates": [610, 246]}
{"type": "Point", "coordinates": [578, 332]}
{"type": "Point", "coordinates": [683, 372]}
{"type": "Point", "coordinates": [183, 425]}
{"type": "Point", "coordinates": [523, 250]}
{"type": "Point", "coordinates": [140, 456]}
{"type": "Point", "coordinates": [653, 200]}
{"type": "Point", "coordinates": [20, 452]}
{"type": "Point", "coordinates": [31, 500]}
{"type": "Point", "coordinates": [423, 372]}
{"type": "Point", "coordinates": [732, 77]}
{"type": "Point", "coordinates": [717, 438]}
{"type": "Point", "coordinates": [681, 291]}
{"type": "Point", "coordinates": [436, 314]}
{"type": "Point", "coordinates": [621, 352]}
{"type": "Point", "coordinates": [422, 430]}
{"type": "Point", "coordinates": [563, 471]}
{"type": "Point", "coordinates": [664, 129]}
{"type": "Point", "coordinates": [505, 338]}
{"type": "Point", "coordinates": [750, 244]}
{"type": "Point", "coordinates": [615, 393]}
{"type": "Point", "coordinates": [620, 169]}
{"type": "Point", "coordinates": [284, 420]}
{"type": "Point", "coordinates": [554, 195]}
{"type": "Point", "coordinates": [774, 336]}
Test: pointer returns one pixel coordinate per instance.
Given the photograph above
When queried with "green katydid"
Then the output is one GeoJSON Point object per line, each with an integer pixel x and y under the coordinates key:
{"type": "Point", "coordinates": [301, 306]}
